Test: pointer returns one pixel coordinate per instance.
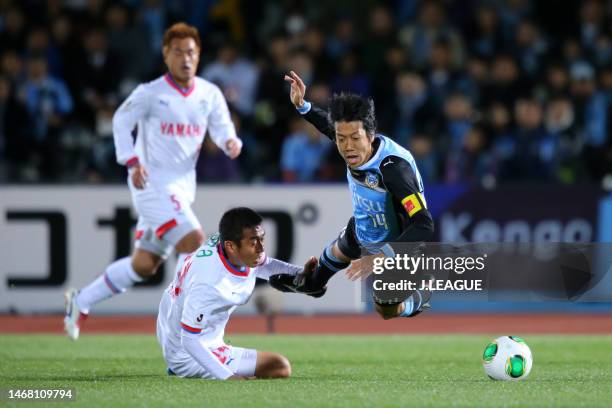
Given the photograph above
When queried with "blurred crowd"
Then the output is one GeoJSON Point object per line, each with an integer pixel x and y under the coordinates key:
{"type": "Point", "coordinates": [481, 92]}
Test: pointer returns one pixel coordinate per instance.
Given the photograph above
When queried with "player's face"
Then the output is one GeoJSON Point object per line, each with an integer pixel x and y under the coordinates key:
{"type": "Point", "coordinates": [354, 143]}
{"type": "Point", "coordinates": [181, 57]}
{"type": "Point", "coordinates": [252, 252]}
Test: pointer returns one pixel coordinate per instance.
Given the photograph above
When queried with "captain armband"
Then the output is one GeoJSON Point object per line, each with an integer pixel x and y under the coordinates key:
{"type": "Point", "coordinates": [414, 203]}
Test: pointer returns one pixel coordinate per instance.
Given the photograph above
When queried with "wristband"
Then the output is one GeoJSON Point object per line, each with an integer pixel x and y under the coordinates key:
{"type": "Point", "coordinates": [132, 162]}
{"type": "Point", "coordinates": [305, 108]}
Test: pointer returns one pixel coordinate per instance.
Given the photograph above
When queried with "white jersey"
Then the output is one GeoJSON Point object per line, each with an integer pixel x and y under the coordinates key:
{"type": "Point", "coordinates": [203, 295]}
{"type": "Point", "coordinates": [172, 123]}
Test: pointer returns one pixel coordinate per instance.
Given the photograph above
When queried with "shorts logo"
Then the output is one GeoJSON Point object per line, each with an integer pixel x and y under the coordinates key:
{"type": "Point", "coordinates": [371, 180]}
{"type": "Point", "coordinates": [199, 318]}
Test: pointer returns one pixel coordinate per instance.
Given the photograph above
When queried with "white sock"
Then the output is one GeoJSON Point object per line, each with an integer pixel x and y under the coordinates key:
{"type": "Point", "coordinates": [118, 277]}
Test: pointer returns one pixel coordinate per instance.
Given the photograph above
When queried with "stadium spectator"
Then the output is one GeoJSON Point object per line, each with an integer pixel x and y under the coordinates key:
{"type": "Point", "coordinates": [486, 37]}
{"type": "Point", "coordinates": [529, 152]}
{"type": "Point", "coordinates": [458, 113]}
{"type": "Point", "coordinates": [422, 149]}
{"type": "Point", "coordinates": [410, 98]}
{"type": "Point", "coordinates": [12, 67]}
{"type": "Point", "coordinates": [379, 36]}
{"type": "Point", "coordinates": [215, 166]}
{"type": "Point", "coordinates": [13, 33]}
{"type": "Point", "coordinates": [343, 39]}
{"type": "Point", "coordinates": [15, 134]}
{"type": "Point", "coordinates": [471, 162]}
{"type": "Point", "coordinates": [592, 116]}
{"type": "Point", "coordinates": [303, 151]}
{"type": "Point", "coordinates": [237, 77]}
{"type": "Point", "coordinates": [125, 40]}
{"type": "Point", "coordinates": [431, 25]}
{"type": "Point", "coordinates": [48, 103]}
{"type": "Point", "coordinates": [411, 56]}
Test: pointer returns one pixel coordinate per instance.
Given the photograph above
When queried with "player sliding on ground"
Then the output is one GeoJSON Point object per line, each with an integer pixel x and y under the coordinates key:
{"type": "Point", "coordinates": [171, 115]}
{"type": "Point", "coordinates": [387, 192]}
{"type": "Point", "coordinates": [208, 286]}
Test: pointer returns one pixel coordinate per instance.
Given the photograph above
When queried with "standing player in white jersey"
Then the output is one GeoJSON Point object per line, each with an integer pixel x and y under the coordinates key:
{"type": "Point", "coordinates": [171, 115]}
{"type": "Point", "coordinates": [208, 286]}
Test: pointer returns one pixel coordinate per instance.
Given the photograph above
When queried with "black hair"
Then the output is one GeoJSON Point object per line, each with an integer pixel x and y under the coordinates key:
{"type": "Point", "coordinates": [234, 221]}
{"type": "Point", "coordinates": [348, 107]}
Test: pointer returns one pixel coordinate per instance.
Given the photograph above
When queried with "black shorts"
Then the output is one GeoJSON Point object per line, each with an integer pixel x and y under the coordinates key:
{"type": "Point", "coordinates": [348, 242]}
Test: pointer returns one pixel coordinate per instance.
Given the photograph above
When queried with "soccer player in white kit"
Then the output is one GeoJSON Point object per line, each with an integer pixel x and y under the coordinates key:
{"type": "Point", "coordinates": [208, 285]}
{"type": "Point", "coordinates": [171, 115]}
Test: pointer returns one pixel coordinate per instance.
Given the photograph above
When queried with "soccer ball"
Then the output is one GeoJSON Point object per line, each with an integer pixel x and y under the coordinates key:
{"type": "Point", "coordinates": [507, 358]}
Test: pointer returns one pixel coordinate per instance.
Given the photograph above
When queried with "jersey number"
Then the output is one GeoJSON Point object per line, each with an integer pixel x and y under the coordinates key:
{"type": "Point", "coordinates": [379, 220]}
{"type": "Point", "coordinates": [177, 203]}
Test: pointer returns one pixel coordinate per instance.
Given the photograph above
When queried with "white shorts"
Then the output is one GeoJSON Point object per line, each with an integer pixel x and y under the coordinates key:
{"type": "Point", "coordinates": [240, 361]}
{"type": "Point", "coordinates": [164, 218]}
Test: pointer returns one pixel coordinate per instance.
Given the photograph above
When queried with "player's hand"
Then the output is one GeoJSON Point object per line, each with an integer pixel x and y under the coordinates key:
{"type": "Point", "coordinates": [233, 147]}
{"type": "Point", "coordinates": [309, 267]}
{"type": "Point", "coordinates": [139, 176]}
{"type": "Point", "coordinates": [361, 268]}
{"type": "Point", "coordinates": [298, 89]}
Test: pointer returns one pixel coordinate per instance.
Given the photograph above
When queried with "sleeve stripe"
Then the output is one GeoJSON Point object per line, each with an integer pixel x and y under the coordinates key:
{"type": "Point", "coordinates": [132, 161]}
{"type": "Point", "coordinates": [412, 204]}
{"type": "Point", "coordinates": [422, 199]}
{"type": "Point", "coordinates": [190, 329]}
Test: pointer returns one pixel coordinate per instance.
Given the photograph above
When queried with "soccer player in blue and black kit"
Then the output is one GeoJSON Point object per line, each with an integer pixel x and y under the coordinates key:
{"type": "Point", "coordinates": [387, 192]}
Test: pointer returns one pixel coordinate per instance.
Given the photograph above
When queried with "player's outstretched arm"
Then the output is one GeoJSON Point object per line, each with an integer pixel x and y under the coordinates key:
{"type": "Point", "coordinates": [298, 283]}
{"type": "Point", "coordinates": [273, 266]}
{"type": "Point", "coordinates": [313, 114]}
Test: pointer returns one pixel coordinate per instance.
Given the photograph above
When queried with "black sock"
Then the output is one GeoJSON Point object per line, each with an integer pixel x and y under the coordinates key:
{"type": "Point", "coordinates": [328, 266]}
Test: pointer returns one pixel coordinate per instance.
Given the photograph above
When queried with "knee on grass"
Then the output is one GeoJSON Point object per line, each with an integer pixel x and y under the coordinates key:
{"type": "Point", "coordinates": [272, 365]}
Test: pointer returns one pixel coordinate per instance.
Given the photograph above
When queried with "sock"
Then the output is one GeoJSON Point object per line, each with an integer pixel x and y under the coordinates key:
{"type": "Point", "coordinates": [328, 266]}
{"type": "Point", "coordinates": [410, 305]}
{"type": "Point", "coordinates": [118, 277]}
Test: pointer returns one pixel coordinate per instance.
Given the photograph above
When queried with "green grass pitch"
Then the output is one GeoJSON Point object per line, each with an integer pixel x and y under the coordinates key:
{"type": "Point", "coordinates": [328, 371]}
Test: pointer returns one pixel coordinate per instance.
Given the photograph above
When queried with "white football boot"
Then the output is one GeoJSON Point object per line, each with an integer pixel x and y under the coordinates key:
{"type": "Point", "coordinates": [74, 317]}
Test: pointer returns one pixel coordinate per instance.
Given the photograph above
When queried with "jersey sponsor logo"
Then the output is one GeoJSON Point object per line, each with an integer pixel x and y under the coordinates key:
{"type": "Point", "coordinates": [367, 205]}
{"type": "Point", "coordinates": [180, 129]}
{"type": "Point", "coordinates": [371, 180]}
{"type": "Point", "coordinates": [411, 204]}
